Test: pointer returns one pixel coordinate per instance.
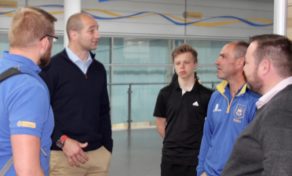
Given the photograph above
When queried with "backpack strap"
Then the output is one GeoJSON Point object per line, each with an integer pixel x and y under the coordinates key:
{"type": "Point", "coordinates": [6, 167]}
{"type": "Point", "coordinates": [8, 73]}
{"type": "Point", "coordinates": [4, 75]}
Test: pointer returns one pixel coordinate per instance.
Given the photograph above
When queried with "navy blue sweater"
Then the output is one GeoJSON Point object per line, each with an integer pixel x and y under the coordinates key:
{"type": "Point", "coordinates": [79, 101]}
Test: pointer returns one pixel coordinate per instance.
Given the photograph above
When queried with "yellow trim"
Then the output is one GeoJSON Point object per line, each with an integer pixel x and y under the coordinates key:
{"type": "Point", "coordinates": [221, 86]}
{"type": "Point", "coordinates": [26, 124]}
{"type": "Point", "coordinates": [243, 90]}
{"type": "Point", "coordinates": [215, 24]}
{"type": "Point", "coordinates": [221, 89]}
{"type": "Point", "coordinates": [262, 20]}
{"type": "Point", "coordinates": [8, 3]}
{"type": "Point", "coordinates": [193, 14]}
{"type": "Point", "coordinates": [107, 12]}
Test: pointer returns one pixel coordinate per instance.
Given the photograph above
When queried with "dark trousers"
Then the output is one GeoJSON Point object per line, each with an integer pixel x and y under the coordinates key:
{"type": "Point", "coordinates": [171, 169]}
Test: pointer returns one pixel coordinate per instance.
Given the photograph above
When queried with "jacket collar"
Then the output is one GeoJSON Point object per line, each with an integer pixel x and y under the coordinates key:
{"type": "Point", "coordinates": [221, 87]}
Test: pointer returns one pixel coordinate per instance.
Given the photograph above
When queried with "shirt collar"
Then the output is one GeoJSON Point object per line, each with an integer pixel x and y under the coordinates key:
{"type": "Point", "coordinates": [271, 93]}
{"type": "Point", "coordinates": [22, 62]}
{"type": "Point", "coordinates": [223, 86]}
{"type": "Point", "coordinates": [177, 87]}
{"type": "Point", "coordinates": [75, 59]}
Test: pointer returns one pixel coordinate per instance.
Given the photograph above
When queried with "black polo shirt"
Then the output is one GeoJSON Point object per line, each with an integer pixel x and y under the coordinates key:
{"type": "Point", "coordinates": [185, 115]}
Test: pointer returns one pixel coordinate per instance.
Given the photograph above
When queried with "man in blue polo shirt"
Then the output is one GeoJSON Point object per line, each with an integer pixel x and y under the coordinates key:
{"type": "Point", "coordinates": [26, 121]}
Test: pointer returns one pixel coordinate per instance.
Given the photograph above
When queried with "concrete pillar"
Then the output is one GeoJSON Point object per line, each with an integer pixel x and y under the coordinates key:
{"type": "Point", "coordinates": [280, 16]}
{"type": "Point", "coordinates": [70, 7]}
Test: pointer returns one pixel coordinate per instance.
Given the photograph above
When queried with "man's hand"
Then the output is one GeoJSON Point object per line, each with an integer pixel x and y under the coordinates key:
{"type": "Point", "coordinates": [161, 124]}
{"type": "Point", "coordinates": [73, 150]}
{"type": "Point", "coordinates": [204, 174]}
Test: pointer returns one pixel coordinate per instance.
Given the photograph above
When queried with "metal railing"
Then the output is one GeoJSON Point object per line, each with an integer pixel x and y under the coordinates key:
{"type": "Point", "coordinates": [130, 92]}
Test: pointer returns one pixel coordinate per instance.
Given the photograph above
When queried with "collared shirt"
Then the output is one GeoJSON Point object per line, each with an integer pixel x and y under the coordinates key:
{"type": "Point", "coordinates": [185, 116]}
{"type": "Point", "coordinates": [24, 109]}
{"type": "Point", "coordinates": [188, 89]}
{"type": "Point", "coordinates": [271, 93]}
{"type": "Point", "coordinates": [82, 65]}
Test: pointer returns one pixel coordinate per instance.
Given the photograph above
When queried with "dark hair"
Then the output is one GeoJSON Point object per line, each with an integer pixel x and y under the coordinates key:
{"type": "Point", "coordinates": [275, 47]}
{"type": "Point", "coordinates": [240, 48]}
{"type": "Point", "coordinates": [184, 48]}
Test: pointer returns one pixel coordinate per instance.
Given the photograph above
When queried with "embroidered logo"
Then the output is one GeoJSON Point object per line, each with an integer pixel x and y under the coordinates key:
{"type": "Point", "coordinates": [26, 124]}
{"type": "Point", "coordinates": [196, 104]}
{"type": "Point", "coordinates": [217, 109]}
{"type": "Point", "coordinates": [239, 113]}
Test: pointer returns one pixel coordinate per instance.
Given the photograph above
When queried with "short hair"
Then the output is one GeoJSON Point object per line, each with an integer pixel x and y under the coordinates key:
{"type": "Point", "coordinates": [28, 25]}
{"type": "Point", "coordinates": [184, 48]}
{"type": "Point", "coordinates": [240, 48]}
{"type": "Point", "coordinates": [277, 48]}
{"type": "Point", "coordinates": [75, 23]}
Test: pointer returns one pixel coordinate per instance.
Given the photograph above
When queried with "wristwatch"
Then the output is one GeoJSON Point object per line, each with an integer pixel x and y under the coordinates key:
{"type": "Point", "coordinates": [61, 141]}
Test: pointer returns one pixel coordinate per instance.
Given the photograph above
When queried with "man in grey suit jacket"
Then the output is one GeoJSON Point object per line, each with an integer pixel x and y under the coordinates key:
{"type": "Point", "coordinates": [265, 146]}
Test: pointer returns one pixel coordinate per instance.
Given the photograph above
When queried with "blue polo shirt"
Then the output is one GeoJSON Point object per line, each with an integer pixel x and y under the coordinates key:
{"type": "Point", "coordinates": [24, 108]}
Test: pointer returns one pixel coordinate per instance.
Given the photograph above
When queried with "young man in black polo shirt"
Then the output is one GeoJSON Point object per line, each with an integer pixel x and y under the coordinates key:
{"type": "Point", "coordinates": [180, 113]}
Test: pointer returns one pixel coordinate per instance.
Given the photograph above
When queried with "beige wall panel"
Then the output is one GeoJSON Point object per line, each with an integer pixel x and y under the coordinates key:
{"type": "Point", "coordinates": [289, 20]}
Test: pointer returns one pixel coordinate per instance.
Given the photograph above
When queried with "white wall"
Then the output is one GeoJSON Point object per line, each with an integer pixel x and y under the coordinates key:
{"type": "Point", "coordinates": [209, 23]}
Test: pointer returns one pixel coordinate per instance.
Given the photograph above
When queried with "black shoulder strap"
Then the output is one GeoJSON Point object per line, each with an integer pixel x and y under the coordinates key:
{"type": "Point", "coordinates": [8, 73]}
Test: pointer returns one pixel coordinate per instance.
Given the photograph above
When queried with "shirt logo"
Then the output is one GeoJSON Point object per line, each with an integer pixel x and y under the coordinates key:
{"type": "Point", "coordinates": [26, 124]}
{"type": "Point", "coordinates": [217, 109]}
{"type": "Point", "coordinates": [239, 113]}
{"type": "Point", "coordinates": [196, 104]}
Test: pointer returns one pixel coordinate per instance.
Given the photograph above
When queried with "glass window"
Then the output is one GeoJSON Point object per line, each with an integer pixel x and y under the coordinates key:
{"type": "Point", "coordinates": [3, 43]}
{"type": "Point", "coordinates": [134, 59]}
{"type": "Point", "coordinates": [58, 46]}
{"type": "Point", "coordinates": [208, 52]}
{"type": "Point", "coordinates": [141, 62]}
{"type": "Point", "coordinates": [103, 50]}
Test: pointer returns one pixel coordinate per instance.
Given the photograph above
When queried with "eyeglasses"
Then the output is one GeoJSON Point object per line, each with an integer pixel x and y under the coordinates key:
{"type": "Point", "coordinates": [55, 38]}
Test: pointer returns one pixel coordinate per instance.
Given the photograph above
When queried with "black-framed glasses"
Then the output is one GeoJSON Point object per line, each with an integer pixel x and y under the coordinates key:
{"type": "Point", "coordinates": [55, 38]}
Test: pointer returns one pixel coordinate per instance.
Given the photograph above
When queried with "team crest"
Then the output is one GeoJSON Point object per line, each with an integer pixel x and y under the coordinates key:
{"type": "Point", "coordinates": [239, 113]}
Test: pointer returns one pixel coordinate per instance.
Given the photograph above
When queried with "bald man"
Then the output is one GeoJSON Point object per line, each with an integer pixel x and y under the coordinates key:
{"type": "Point", "coordinates": [82, 138]}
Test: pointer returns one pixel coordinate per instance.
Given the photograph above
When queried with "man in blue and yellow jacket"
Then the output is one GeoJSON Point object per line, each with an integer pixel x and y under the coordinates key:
{"type": "Point", "coordinates": [230, 110]}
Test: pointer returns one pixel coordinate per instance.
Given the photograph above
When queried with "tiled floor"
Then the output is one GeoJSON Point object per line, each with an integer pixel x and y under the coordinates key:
{"type": "Point", "coordinates": [137, 153]}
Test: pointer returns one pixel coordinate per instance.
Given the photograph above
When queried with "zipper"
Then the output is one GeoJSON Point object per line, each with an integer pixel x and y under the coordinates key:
{"type": "Point", "coordinates": [229, 103]}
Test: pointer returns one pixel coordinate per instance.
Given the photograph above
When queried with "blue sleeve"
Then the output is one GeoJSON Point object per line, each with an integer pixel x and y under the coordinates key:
{"type": "Point", "coordinates": [206, 140]}
{"type": "Point", "coordinates": [28, 106]}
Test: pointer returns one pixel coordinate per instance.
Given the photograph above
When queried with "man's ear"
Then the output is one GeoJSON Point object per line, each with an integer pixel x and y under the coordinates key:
{"type": "Point", "coordinates": [73, 34]}
{"type": "Point", "coordinates": [265, 66]}
{"type": "Point", "coordinates": [241, 61]}
{"type": "Point", "coordinates": [195, 65]}
{"type": "Point", "coordinates": [44, 44]}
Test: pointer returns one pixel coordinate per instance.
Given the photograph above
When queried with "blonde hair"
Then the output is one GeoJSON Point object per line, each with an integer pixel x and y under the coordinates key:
{"type": "Point", "coordinates": [28, 25]}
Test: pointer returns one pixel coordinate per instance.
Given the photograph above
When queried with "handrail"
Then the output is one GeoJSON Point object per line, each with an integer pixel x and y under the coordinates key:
{"type": "Point", "coordinates": [130, 91]}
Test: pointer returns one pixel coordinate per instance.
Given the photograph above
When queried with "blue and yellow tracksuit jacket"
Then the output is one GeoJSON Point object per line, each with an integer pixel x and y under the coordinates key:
{"type": "Point", "coordinates": [226, 118]}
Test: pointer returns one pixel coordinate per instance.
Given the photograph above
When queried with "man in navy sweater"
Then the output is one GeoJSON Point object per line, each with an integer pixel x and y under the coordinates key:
{"type": "Point", "coordinates": [82, 139]}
